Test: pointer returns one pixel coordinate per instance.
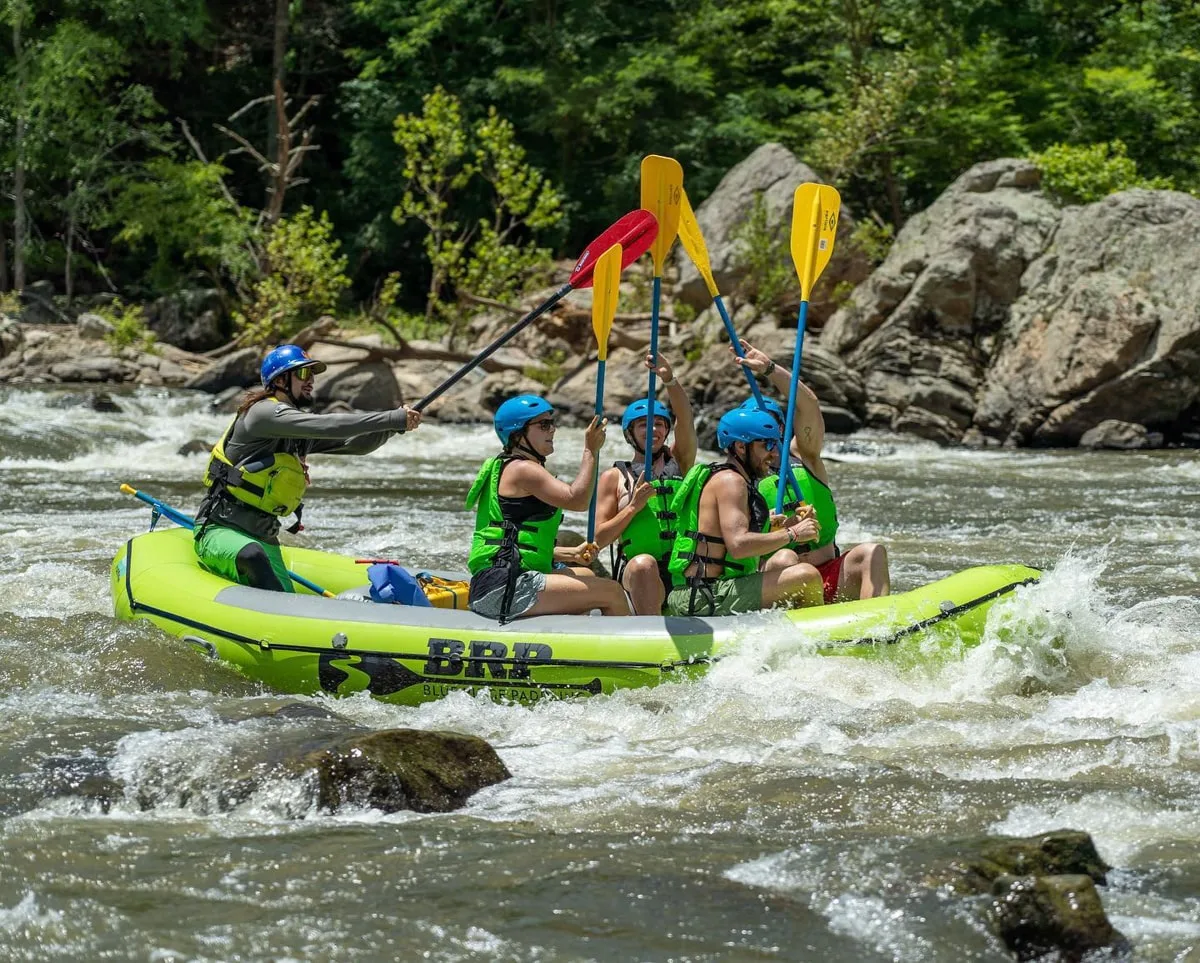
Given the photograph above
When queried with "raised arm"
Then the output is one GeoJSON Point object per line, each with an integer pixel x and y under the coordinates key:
{"type": "Point", "coordinates": [684, 447]}
{"type": "Point", "coordinates": [808, 435]}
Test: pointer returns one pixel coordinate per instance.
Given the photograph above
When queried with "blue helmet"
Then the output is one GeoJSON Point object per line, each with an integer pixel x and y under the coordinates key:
{"type": "Point", "coordinates": [637, 410]}
{"type": "Point", "coordinates": [285, 358]}
{"type": "Point", "coordinates": [772, 407]}
{"type": "Point", "coordinates": [745, 424]}
{"type": "Point", "coordinates": [516, 413]}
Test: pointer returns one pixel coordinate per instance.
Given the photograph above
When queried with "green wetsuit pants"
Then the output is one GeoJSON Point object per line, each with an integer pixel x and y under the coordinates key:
{"type": "Point", "coordinates": [241, 558]}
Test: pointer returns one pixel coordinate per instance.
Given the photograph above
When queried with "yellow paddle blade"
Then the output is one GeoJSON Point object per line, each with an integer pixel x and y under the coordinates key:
{"type": "Point", "coordinates": [662, 194]}
{"type": "Point", "coordinates": [693, 242]}
{"type": "Point", "coordinates": [815, 209]}
{"type": "Point", "coordinates": [604, 297]}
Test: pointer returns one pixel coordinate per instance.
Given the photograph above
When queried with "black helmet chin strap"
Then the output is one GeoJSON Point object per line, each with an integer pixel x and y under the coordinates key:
{"type": "Point", "coordinates": [522, 445]}
{"type": "Point", "coordinates": [743, 466]}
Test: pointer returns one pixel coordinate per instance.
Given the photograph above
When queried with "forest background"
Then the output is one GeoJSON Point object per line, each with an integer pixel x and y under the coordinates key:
{"type": "Point", "coordinates": [404, 161]}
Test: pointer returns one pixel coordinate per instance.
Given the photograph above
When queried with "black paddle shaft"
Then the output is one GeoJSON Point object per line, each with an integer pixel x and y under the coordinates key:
{"type": "Point", "coordinates": [493, 347]}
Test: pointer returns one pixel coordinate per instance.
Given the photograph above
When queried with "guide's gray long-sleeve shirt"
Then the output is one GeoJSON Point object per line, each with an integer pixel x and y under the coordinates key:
{"type": "Point", "coordinates": [270, 426]}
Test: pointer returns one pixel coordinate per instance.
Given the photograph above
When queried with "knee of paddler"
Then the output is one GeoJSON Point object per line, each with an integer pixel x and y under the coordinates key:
{"type": "Point", "coordinates": [254, 568]}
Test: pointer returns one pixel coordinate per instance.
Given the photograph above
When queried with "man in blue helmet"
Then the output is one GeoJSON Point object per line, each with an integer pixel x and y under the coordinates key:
{"type": "Point", "coordinates": [518, 509]}
{"type": "Point", "coordinates": [258, 471]}
{"type": "Point", "coordinates": [861, 571]}
{"type": "Point", "coordinates": [635, 516]}
{"type": "Point", "coordinates": [726, 530]}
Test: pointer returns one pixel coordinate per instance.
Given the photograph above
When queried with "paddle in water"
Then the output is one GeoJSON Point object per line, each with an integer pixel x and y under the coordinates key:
{"type": "Point", "coordinates": [692, 239]}
{"type": "Point", "coordinates": [604, 309]}
{"type": "Point", "coordinates": [815, 209]}
{"type": "Point", "coordinates": [662, 194]}
{"type": "Point", "coordinates": [186, 521]}
{"type": "Point", "coordinates": [634, 232]}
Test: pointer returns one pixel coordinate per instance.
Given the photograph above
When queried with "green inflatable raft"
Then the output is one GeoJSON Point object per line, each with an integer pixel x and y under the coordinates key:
{"type": "Point", "coordinates": [307, 643]}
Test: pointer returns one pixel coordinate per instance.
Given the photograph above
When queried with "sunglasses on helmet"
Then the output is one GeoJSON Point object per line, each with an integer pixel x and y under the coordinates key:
{"type": "Point", "coordinates": [303, 374]}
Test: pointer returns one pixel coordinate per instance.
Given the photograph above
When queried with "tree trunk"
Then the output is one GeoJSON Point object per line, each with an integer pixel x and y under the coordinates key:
{"type": "Point", "coordinates": [893, 192]}
{"type": "Point", "coordinates": [3, 259]}
{"type": "Point", "coordinates": [19, 226]}
{"type": "Point", "coordinates": [68, 278]}
{"type": "Point", "coordinates": [278, 68]}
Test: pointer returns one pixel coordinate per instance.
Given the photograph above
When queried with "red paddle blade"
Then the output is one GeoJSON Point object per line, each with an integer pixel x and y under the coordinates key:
{"type": "Point", "coordinates": [635, 232]}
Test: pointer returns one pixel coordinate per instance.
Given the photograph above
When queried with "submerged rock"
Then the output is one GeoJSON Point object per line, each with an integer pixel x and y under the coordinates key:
{"type": "Point", "coordinates": [1039, 915]}
{"type": "Point", "coordinates": [1063, 851]}
{"type": "Point", "coordinates": [1042, 892]}
{"type": "Point", "coordinates": [401, 769]}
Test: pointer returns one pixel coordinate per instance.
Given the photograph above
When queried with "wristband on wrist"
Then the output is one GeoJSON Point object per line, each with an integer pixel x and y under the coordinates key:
{"type": "Point", "coordinates": [767, 371]}
{"type": "Point", "coordinates": [668, 384]}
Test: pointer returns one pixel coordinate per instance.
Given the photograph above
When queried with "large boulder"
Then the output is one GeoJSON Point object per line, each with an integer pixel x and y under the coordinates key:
{"type": "Point", "coordinates": [476, 398]}
{"type": "Point", "coordinates": [716, 383]}
{"type": "Point", "coordinates": [773, 172]}
{"type": "Point", "coordinates": [922, 330]}
{"type": "Point", "coordinates": [624, 380]}
{"type": "Point", "coordinates": [1108, 325]}
{"type": "Point", "coordinates": [11, 336]}
{"type": "Point", "coordinates": [192, 319]}
{"type": "Point", "coordinates": [365, 385]}
{"type": "Point", "coordinates": [1120, 436]}
{"type": "Point", "coordinates": [238, 369]}
{"type": "Point", "coordinates": [37, 304]}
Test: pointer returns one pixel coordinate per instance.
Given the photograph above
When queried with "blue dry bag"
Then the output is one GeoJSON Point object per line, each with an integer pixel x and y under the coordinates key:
{"type": "Point", "coordinates": [391, 583]}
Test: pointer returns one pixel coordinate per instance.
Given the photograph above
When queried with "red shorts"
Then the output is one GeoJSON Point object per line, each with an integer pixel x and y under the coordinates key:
{"type": "Point", "coordinates": [831, 572]}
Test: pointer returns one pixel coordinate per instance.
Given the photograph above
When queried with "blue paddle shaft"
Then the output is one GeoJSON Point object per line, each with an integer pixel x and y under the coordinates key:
{"type": "Point", "coordinates": [591, 534]}
{"type": "Point", "coordinates": [656, 297]}
{"type": "Point", "coordinates": [186, 521]}
{"type": "Point", "coordinates": [784, 468]}
{"type": "Point", "coordinates": [736, 343]}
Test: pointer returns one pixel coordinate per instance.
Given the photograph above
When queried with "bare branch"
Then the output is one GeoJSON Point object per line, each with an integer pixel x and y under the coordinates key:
{"type": "Point", "coordinates": [264, 164]}
{"type": "Point", "coordinates": [187, 133]}
{"type": "Point", "coordinates": [265, 99]}
{"type": "Point", "coordinates": [299, 115]}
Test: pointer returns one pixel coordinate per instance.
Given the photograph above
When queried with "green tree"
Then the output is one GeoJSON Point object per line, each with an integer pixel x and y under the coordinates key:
{"type": "Point", "coordinates": [304, 277]}
{"type": "Point", "coordinates": [488, 257]}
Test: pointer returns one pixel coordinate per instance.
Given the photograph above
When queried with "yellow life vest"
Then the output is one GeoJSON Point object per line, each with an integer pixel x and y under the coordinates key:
{"type": "Point", "coordinates": [274, 484]}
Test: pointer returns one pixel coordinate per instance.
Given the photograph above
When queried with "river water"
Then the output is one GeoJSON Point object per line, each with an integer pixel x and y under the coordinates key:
{"type": "Point", "coordinates": [783, 807]}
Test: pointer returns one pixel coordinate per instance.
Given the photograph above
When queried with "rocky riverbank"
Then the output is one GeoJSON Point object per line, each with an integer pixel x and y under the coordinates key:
{"type": "Point", "coordinates": [997, 318]}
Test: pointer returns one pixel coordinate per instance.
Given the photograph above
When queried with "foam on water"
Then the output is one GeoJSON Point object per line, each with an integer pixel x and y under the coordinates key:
{"type": "Point", "coordinates": [1080, 707]}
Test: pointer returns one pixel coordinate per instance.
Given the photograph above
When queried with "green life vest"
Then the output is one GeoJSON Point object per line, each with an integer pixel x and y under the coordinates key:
{"type": "Point", "coordinates": [689, 539]}
{"type": "Point", "coordinates": [533, 539]}
{"type": "Point", "coordinates": [274, 484]}
{"type": "Point", "coordinates": [652, 530]}
{"type": "Point", "coordinates": [816, 493]}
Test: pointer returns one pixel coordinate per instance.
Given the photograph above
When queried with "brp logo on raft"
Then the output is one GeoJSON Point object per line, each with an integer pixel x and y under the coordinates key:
{"type": "Point", "coordinates": [450, 657]}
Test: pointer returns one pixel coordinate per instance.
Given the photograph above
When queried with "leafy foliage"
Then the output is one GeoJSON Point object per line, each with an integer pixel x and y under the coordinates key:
{"type": "Point", "coordinates": [178, 211]}
{"type": "Point", "coordinates": [303, 279]}
{"type": "Point", "coordinates": [1081, 175]}
{"type": "Point", "coordinates": [890, 99]}
{"type": "Point", "coordinates": [443, 160]}
{"type": "Point", "coordinates": [769, 282]}
{"type": "Point", "coordinates": [129, 326]}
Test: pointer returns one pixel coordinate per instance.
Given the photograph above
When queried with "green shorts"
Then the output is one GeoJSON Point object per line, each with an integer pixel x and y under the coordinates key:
{"type": "Point", "coordinates": [218, 547]}
{"type": "Point", "coordinates": [729, 596]}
